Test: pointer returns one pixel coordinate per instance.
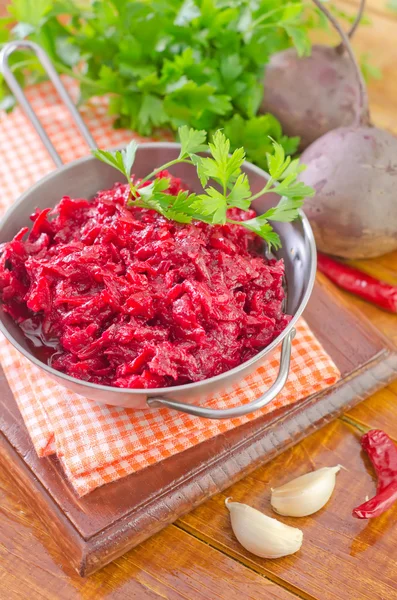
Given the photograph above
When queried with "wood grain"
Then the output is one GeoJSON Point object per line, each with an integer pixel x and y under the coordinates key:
{"type": "Point", "coordinates": [98, 528]}
{"type": "Point", "coordinates": [384, 321]}
{"type": "Point", "coordinates": [171, 565]}
{"type": "Point", "coordinates": [380, 7]}
{"type": "Point", "coordinates": [341, 557]}
{"type": "Point", "coordinates": [380, 411]}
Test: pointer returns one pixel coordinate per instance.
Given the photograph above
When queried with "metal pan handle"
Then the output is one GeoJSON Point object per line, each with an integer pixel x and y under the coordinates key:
{"type": "Point", "coordinates": [155, 402]}
{"type": "Point", "coordinates": [238, 411]}
{"type": "Point", "coordinates": [16, 89]}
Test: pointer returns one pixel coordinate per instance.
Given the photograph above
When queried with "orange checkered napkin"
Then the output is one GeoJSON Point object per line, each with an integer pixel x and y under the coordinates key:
{"type": "Point", "coordinates": [97, 444]}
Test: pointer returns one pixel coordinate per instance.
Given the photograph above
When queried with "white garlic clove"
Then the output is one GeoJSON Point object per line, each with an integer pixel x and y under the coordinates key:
{"type": "Point", "coordinates": [262, 535]}
{"type": "Point", "coordinates": [306, 494]}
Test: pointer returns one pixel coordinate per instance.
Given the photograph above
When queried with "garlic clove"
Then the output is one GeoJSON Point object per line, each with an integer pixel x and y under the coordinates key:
{"type": "Point", "coordinates": [262, 535]}
{"type": "Point", "coordinates": [306, 494]}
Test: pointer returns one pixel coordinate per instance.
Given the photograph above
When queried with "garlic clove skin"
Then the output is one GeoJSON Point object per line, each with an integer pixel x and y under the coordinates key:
{"type": "Point", "coordinates": [262, 535]}
{"type": "Point", "coordinates": [306, 494]}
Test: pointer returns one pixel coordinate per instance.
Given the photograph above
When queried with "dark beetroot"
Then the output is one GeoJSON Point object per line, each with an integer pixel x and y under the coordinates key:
{"type": "Point", "coordinates": [354, 172]}
{"type": "Point", "coordinates": [121, 296]}
{"type": "Point", "coordinates": [311, 95]}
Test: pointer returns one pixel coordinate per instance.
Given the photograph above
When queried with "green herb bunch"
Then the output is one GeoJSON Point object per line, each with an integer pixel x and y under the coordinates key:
{"type": "Point", "coordinates": [222, 169]}
{"type": "Point", "coordinates": [167, 63]}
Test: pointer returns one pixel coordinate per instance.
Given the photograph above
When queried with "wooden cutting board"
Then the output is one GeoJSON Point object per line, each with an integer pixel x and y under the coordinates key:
{"type": "Point", "coordinates": [96, 529]}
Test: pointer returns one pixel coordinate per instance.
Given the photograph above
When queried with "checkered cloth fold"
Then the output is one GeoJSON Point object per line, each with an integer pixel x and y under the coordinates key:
{"type": "Point", "coordinates": [97, 444]}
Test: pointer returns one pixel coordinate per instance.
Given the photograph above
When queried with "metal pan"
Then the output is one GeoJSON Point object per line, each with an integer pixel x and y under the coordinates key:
{"type": "Point", "coordinates": [83, 178]}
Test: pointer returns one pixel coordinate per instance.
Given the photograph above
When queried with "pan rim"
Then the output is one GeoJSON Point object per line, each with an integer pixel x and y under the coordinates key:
{"type": "Point", "coordinates": [308, 235]}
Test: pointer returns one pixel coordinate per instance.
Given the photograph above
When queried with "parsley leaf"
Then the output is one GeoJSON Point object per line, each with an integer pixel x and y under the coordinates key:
{"type": "Point", "coordinates": [150, 192]}
{"type": "Point", "coordinates": [213, 204]}
{"type": "Point", "coordinates": [287, 210]}
{"type": "Point", "coordinates": [223, 169]}
{"type": "Point", "coordinates": [368, 68]}
{"type": "Point", "coordinates": [293, 189]}
{"type": "Point", "coordinates": [191, 140]}
{"type": "Point", "coordinates": [277, 161]}
{"type": "Point", "coordinates": [197, 63]}
{"type": "Point", "coordinates": [180, 208]}
{"type": "Point", "coordinates": [256, 135]}
{"type": "Point", "coordinates": [122, 160]}
{"type": "Point", "coordinates": [240, 193]}
{"type": "Point", "coordinates": [260, 226]}
{"type": "Point", "coordinates": [287, 171]}
{"type": "Point", "coordinates": [30, 12]}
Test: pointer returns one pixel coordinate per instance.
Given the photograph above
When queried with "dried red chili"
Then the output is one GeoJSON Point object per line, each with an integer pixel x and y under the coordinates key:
{"type": "Point", "coordinates": [382, 453]}
{"type": "Point", "coordinates": [352, 280]}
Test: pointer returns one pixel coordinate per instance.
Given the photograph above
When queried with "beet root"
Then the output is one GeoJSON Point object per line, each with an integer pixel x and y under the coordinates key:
{"type": "Point", "coordinates": [313, 94]}
{"type": "Point", "coordinates": [354, 173]}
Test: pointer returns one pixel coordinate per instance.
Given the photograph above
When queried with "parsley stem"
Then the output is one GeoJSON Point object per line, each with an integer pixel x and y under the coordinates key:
{"type": "Point", "coordinates": [133, 189]}
{"type": "Point", "coordinates": [76, 75]}
{"type": "Point", "coordinates": [166, 166]}
{"type": "Point", "coordinates": [263, 190]}
{"type": "Point", "coordinates": [22, 64]}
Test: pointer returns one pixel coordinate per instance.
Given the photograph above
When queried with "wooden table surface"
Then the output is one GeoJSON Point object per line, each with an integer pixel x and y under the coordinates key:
{"type": "Point", "coordinates": [198, 557]}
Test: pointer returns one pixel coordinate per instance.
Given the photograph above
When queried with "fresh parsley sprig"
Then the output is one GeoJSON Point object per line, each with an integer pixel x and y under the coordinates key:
{"type": "Point", "coordinates": [219, 168]}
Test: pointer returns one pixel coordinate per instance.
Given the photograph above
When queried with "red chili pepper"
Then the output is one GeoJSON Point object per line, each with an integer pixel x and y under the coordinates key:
{"type": "Point", "coordinates": [378, 504]}
{"type": "Point", "coordinates": [378, 292]}
{"type": "Point", "coordinates": [382, 453]}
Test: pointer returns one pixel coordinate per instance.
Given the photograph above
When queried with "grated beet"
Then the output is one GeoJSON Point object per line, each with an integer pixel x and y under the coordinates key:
{"type": "Point", "coordinates": [121, 296]}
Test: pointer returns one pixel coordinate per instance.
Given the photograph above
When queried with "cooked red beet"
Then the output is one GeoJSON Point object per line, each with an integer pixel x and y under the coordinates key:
{"type": "Point", "coordinates": [121, 296]}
